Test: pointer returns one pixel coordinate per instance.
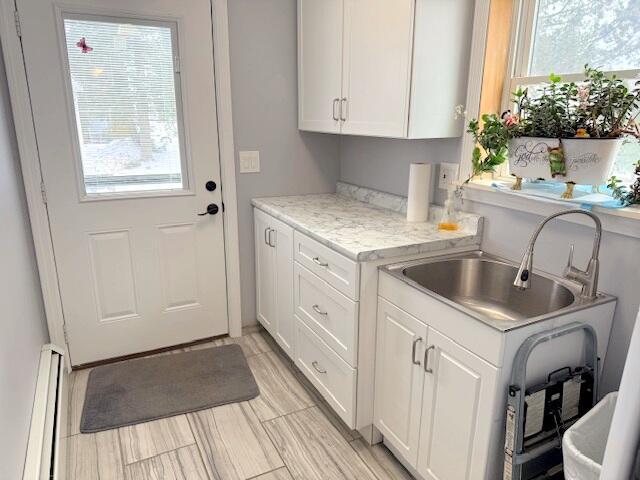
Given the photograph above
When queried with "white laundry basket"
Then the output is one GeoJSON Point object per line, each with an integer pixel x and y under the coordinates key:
{"type": "Point", "coordinates": [584, 442]}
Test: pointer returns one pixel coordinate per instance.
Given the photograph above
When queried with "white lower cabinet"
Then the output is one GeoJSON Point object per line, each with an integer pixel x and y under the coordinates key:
{"type": "Point", "coordinates": [433, 398]}
{"type": "Point", "coordinates": [401, 341]}
{"type": "Point", "coordinates": [457, 402]}
{"type": "Point", "coordinates": [274, 279]}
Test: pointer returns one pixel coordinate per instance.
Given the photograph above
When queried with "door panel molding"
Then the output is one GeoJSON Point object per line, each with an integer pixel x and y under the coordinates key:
{"type": "Point", "coordinates": [32, 176]}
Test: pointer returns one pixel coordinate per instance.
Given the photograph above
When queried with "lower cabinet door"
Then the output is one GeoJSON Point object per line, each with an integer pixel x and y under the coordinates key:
{"type": "Point", "coordinates": [399, 378]}
{"type": "Point", "coordinates": [285, 329]}
{"type": "Point", "coordinates": [459, 393]}
{"type": "Point", "coordinates": [265, 272]}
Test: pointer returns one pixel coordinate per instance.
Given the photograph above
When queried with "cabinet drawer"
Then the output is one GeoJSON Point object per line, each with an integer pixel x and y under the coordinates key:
{"type": "Point", "coordinates": [340, 272]}
{"type": "Point", "coordinates": [331, 315]}
{"type": "Point", "coordinates": [333, 378]}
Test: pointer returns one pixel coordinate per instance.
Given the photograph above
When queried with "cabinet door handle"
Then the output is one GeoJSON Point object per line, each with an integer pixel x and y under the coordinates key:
{"type": "Point", "coordinates": [343, 104]}
{"type": "Point", "coordinates": [266, 233]}
{"type": "Point", "coordinates": [413, 351]}
{"type": "Point", "coordinates": [271, 244]}
{"type": "Point", "coordinates": [318, 369]}
{"type": "Point", "coordinates": [316, 308]}
{"type": "Point", "coordinates": [333, 111]}
{"type": "Point", "coordinates": [426, 359]}
{"type": "Point", "coordinates": [317, 261]}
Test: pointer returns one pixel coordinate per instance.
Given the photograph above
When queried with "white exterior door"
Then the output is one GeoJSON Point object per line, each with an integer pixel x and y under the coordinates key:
{"type": "Point", "coordinates": [456, 417]}
{"type": "Point", "coordinates": [123, 100]}
{"type": "Point", "coordinates": [378, 37]}
{"type": "Point", "coordinates": [401, 341]}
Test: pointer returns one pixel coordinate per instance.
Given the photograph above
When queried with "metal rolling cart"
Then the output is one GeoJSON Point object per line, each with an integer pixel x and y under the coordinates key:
{"type": "Point", "coordinates": [537, 417]}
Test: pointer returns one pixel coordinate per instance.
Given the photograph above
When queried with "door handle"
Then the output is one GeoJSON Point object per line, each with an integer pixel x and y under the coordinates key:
{"type": "Point", "coordinates": [343, 104]}
{"type": "Point", "coordinates": [316, 308]}
{"type": "Point", "coordinates": [318, 369]}
{"type": "Point", "coordinates": [271, 244]}
{"type": "Point", "coordinates": [426, 359]}
{"type": "Point", "coordinates": [413, 351]}
{"type": "Point", "coordinates": [266, 233]}
{"type": "Point", "coordinates": [317, 261]}
{"type": "Point", "coordinates": [333, 111]}
{"type": "Point", "coordinates": [212, 209]}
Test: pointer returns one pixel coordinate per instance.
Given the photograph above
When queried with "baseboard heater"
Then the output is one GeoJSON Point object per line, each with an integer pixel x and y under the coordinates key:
{"type": "Point", "coordinates": [45, 450]}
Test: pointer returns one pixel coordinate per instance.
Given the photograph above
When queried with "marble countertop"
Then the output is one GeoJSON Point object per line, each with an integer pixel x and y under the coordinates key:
{"type": "Point", "coordinates": [355, 223]}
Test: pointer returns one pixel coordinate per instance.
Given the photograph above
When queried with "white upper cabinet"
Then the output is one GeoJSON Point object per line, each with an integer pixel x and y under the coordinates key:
{"type": "Point", "coordinates": [319, 64]}
{"type": "Point", "coordinates": [384, 68]}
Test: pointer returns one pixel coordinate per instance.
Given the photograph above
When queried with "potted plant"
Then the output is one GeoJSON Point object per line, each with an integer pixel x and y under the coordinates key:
{"type": "Point", "coordinates": [563, 132]}
{"type": "Point", "coordinates": [542, 119]}
{"type": "Point", "coordinates": [606, 110]}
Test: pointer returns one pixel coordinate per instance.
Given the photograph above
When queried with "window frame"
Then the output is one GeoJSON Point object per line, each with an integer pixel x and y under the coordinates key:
{"type": "Point", "coordinates": [180, 96]}
{"type": "Point", "coordinates": [525, 13]}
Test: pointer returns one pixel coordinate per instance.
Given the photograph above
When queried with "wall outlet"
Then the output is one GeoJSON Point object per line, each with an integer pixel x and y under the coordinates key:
{"type": "Point", "coordinates": [448, 175]}
{"type": "Point", "coordinates": [249, 161]}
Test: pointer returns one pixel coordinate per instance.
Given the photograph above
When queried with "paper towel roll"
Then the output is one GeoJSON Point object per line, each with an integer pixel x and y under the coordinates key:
{"type": "Point", "coordinates": [419, 192]}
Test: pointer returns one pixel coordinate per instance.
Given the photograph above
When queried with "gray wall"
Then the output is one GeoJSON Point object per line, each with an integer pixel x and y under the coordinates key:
{"type": "Point", "coordinates": [264, 96]}
{"type": "Point", "coordinates": [22, 329]}
{"type": "Point", "coordinates": [383, 164]}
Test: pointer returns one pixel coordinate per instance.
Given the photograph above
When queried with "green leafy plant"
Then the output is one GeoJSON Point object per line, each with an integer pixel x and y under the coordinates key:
{"type": "Point", "coordinates": [491, 143]}
{"type": "Point", "coordinates": [548, 111]}
{"type": "Point", "coordinates": [607, 107]}
{"type": "Point", "coordinates": [627, 195]}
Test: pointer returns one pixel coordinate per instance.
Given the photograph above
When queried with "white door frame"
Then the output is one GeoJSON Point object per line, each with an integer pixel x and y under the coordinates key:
{"type": "Point", "coordinates": [32, 175]}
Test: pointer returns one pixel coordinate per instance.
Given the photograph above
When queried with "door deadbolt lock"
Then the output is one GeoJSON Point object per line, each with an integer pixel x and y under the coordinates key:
{"type": "Point", "coordinates": [210, 185]}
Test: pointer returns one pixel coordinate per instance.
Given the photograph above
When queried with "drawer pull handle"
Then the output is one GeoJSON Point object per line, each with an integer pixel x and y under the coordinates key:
{"type": "Point", "coordinates": [318, 369]}
{"type": "Point", "coordinates": [316, 308]}
{"type": "Point", "coordinates": [426, 359]}
{"type": "Point", "coordinates": [317, 261]}
{"type": "Point", "coordinates": [413, 351]}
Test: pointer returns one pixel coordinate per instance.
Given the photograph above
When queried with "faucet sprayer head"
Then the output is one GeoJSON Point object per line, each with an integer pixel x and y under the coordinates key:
{"type": "Point", "coordinates": [523, 278]}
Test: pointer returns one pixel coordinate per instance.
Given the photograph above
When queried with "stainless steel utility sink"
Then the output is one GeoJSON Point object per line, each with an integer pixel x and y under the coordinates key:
{"type": "Point", "coordinates": [482, 286]}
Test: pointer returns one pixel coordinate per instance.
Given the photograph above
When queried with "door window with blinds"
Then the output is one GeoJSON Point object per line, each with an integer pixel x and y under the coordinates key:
{"type": "Point", "coordinates": [125, 86]}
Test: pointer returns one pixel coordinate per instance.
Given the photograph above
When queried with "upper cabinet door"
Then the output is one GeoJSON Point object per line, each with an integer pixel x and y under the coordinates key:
{"type": "Point", "coordinates": [377, 51]}
{"type": "Point", "coordinates": [401, 339]}
{"type": "Point", "coordinates": [319, 64]}
{"type": "Point", "coordinates": [459, 393]}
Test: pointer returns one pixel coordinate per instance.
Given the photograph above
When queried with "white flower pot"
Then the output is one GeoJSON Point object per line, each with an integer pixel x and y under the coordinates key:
{"type": "Point", "coordinates": [529, 156]}
{"type": "Point", "coordinates": [589, 160]}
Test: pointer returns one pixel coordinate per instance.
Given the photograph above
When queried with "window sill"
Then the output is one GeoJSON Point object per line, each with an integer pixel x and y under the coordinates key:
{"type": "Point", "coordinates": [623, 221]}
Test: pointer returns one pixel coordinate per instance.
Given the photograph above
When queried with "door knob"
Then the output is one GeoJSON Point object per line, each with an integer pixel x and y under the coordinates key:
{"type": "Point", "coordinates": [212, 209]}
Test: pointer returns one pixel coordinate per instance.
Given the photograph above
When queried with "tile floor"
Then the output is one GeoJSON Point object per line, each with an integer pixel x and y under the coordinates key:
{"type": "Point", "coordinates": [286, 433]}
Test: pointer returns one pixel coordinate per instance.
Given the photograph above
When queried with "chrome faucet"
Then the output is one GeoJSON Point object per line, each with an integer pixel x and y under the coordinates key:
{"type": "Point", "coordinates": [588, 279]}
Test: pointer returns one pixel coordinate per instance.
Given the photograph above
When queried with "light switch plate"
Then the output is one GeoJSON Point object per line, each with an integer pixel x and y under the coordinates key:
{"type": "Point", "coordinates": [249, 161]}
{"type": "Point", "coordinates": [448, 175]}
